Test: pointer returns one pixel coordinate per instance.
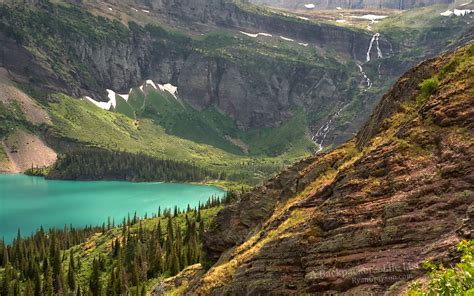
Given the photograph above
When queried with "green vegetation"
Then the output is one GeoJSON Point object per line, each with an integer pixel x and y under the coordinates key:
{"type": "Point", "coordinates": [429, 86]}
{"type": "Point", "coordinates": [458, 280]}
{"type": "Point", "coordinates": [11, 117]}
{"type": "Point", "coordinates": [99, 164]}
{"type": "Point", "coordinates": [83, 122]}
{"type": "Point", "coordinates": [106, 260]}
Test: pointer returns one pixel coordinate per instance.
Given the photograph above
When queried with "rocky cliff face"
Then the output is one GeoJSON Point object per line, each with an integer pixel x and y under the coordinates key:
{"type": "Point", "coordinates": [257, 90]}
{"type": "Point", "coordinates": [350, 4]}
{"type": "Point", "coordinates": [360, 221]}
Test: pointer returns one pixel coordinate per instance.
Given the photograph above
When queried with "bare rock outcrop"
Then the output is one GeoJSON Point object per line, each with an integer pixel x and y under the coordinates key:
{"type": "Point", "coordinates": [363, 221]}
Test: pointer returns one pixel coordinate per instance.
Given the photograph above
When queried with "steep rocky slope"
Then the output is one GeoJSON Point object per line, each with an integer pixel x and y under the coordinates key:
{"type": "Point", "coordinates": [363, 218]}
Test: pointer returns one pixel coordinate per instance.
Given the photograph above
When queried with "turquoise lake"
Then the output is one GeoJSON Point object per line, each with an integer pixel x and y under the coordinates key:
{"type": "Point", "coordinates": [30, 202]}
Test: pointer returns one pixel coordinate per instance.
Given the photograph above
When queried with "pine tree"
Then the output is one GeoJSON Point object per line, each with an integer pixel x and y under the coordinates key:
{"type": "Point", "coordinates": [37, 282]}
{"type": "Point", "coordinates": [94, 280]}
{"type": "Point", "coordinates": [55, 255]}
{"type": "Point", "coordinates": [48, 288]}
{"type": "Point", "coordinates": [173, 265]}
{"type": "Point", "coordinates": [71, 276]}
{"type": "Point", "coordinates": [29, 290]}
{"type": "Point", "coordinates": [7, 278]}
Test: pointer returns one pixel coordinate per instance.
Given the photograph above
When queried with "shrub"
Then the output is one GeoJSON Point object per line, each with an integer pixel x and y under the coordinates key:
{"type": "Point", "coordinates": [429, 86]}
{"type": "Point", "coordinates": [450, 281]}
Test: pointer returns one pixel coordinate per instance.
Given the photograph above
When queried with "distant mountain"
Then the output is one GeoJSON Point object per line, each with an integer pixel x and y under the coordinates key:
{"type": "Point", "coordinates": [350, 4]}
{"type": "Point", "coordinates": [252, 89]}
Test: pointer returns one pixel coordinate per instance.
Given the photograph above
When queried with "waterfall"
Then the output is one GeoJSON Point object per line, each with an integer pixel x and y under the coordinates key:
{"type": "Point", "coordinates": [366, 78]}
{"type": "Point", "coordinates": [321, 134]}
{"type": "Point", "coordinates": [375, 38]}
{"type": "Point", "coordinates": [379, 52]}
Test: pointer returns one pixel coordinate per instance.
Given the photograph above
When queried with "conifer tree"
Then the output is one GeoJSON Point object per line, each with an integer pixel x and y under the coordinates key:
{"type": "Point", "coordinates": [37, 291]}
{"type": "Point", "coordinates": [71, 276]}
{"type": "Point", "coordinates": [29, 290]}
{"type": "Point", "coordinates": [94, 280]}
{"type": "Point", "coordinates": [48, 288]}
{"type": "Point", "coordinates": [7, 278]}
{"type": "Point", "coordinates": [173, 264]}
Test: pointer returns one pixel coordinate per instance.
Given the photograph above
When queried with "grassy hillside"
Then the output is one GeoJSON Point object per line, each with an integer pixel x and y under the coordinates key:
{"type": "Point", "coordinates": [79, 120]}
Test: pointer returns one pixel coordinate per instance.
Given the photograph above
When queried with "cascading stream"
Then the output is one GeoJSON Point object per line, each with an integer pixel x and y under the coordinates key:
{"type": "Point", "coordinates": [375, 38]}
{"type": "Point", "coordinates": [321, 134]}
{"type": "Point", "coordinates": [366, 78]}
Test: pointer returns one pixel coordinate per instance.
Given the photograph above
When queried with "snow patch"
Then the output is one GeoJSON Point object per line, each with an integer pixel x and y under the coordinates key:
{"type": "Point", "coordinates": [125, 97]}
{"type": "Point", "coordinates": [134, 9]}
{"type": "Point", "coordinates": [101, 105]}
{"type": "Point", "coordinates": [462, 12]}
{"type": "Point", "coordinates": [464, 4]}
{"type": "Point", "coordinates": [145, 11]}
{"type": "Point", "coordinates": [446, 13]}
{"type": "Point", "coordinates": [303, 18]}
{"type": "Point", "coordinates": [170, 88]}
{"type": "Point", "coordinates": [286, 39]}
{"type": "Point", "coordinates": [110, 9]}
{"type": "Point", "coordinates": [303, 44]}
{"type": "Point", "coordinates": [369, 17]}
{"type": "Point", "coordinates": [256, 35]}
{"type": "Point", "coordinates": [150, 82]}
{"type": "Point", "coordinates": [309, 6]}
{"type": "Point", "coordinates": [341, 21]}
{"type": "Point", "coordinates": [338, 8]}
{"type": "Point", "coordinates": [111, 95]}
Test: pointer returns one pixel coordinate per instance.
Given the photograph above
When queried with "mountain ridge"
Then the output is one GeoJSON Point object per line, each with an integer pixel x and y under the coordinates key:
{"type": "Point", "coordinates": [404, 196]}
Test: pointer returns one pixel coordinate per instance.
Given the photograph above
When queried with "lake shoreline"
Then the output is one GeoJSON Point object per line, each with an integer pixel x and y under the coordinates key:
{"type": "Point", "coordinates": [28, 202]}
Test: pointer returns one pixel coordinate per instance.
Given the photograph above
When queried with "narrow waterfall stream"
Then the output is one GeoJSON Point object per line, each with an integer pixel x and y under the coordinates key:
{"type": "Point", "coordinates": [375, 38]}
{"type": "Point", "coordinates": [319, 137]}
{"type": "Point", "coordinates": [321, 134]}
{"type": "Point", "coordinates": [366, 78]}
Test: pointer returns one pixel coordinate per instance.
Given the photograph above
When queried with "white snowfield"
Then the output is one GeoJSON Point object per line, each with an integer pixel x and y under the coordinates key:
{"type": "Point", "coordinates": [101, 105]}
{"type": "Point", "coordinates": [341, 21]}
{"type": "Point", "coordinates": [369, 17]}
{"type": "Point", "coordinates": [286, 39]}
{"type": "Point", "coordinates": [256, 35]}
{"type": "Point", "coordinates": [304, 44]}
{"type": "Point", "coordinates": [150, 82]}
{"type": "Point", "coordinates": [457, 12]}
{"type": "Point", "coordinates": [303, 18]}
{"type": "Point", "coordinates": [309, 6]}
{"type": "Point", "coordinates": [112, 96]}
{"type": "Point", "coordinates": [462, 12]}
{"type": "Point", "coordinates": [338, 8]}
{"type": "Point", "coordinates": [168, 87]}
